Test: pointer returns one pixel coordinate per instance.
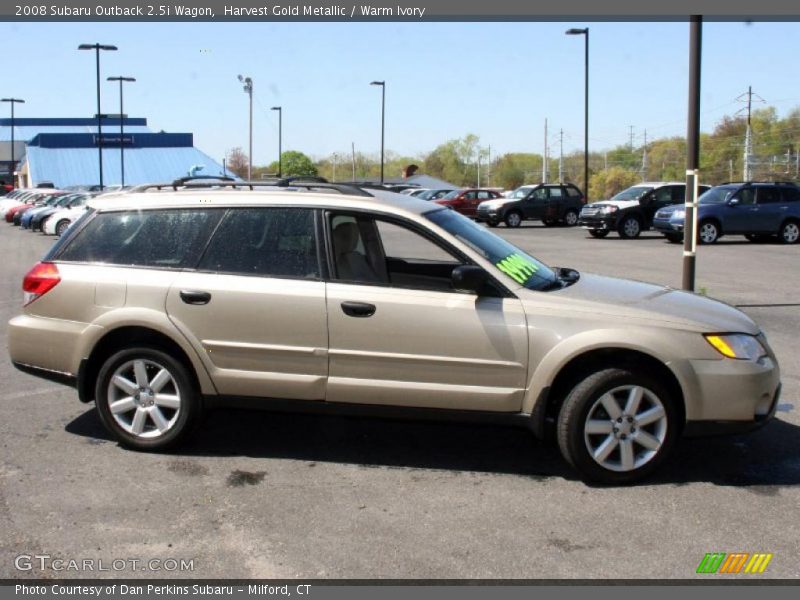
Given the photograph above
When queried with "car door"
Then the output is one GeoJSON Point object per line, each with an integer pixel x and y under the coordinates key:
{"type": "Point", "coordinates": [771, 209]}
{"type": "Point", "coordinates": [739, 217]}
{"type": "Point", "coordinates": [535, 204]}
{"type": "Point", "coordinates": [255, 305]}
{"type": "Point", "coordinates": [400, 335]}
{"type": "Point", "coordinates": [480, 196]}
{"type": "Point", "coordinates": [468, 203]}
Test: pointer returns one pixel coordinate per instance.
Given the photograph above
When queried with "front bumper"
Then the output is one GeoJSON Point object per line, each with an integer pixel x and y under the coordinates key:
{"type": "Point", "coordinates": [603, 222]}
{"type": "Point", "coordinates": [668, 226]}
{"type": "Point", "coordinates": [730, 396]}
{"type": "Point", "coordinates": [487, 216]}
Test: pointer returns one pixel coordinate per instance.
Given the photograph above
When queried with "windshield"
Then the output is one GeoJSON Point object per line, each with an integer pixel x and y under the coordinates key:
{"type": "Point", "coordinates": [426, 195]}
{"type": "Point", "coordinates": [632, 193]}
{"type": "Point", "coordinates": [717, 195]}
{"type": "Point", "coordinates": [521, 267]}
{"type": "Point", "coordinates": [451, 195]}
{"type": "Point", "coordinates": [521, 192]}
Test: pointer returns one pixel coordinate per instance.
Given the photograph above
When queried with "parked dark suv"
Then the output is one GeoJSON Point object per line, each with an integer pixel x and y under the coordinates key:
{"type": "Point", "coordinates": [632, 210]}
{"type": "Point", "coordinates": [550, 203]}
{"type": "Point", "coordinates": [756, 210]}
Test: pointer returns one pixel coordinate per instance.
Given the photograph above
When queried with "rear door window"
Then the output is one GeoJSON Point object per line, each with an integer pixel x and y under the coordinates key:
{"type": "Point", "coordinates": [768, 195]}
{"type": "Point", "coordinates": [169, 238]}
{"type": "Point", "coordinates": [790, 194]}
{"type": "Point", "coordinates": [270, 242]}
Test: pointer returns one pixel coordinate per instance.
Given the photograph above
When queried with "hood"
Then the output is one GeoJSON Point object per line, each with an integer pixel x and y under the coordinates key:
{"type": "Point", "coordinates": [618, 203]}
{"type": "Point", "coordinates": [496, 203]}
{"type": "Point", "coordinates": [635, 299]}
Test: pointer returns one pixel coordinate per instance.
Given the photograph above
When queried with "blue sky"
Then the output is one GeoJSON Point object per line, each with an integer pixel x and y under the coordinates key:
{"type": "Point", "coordinates": [497, 80]}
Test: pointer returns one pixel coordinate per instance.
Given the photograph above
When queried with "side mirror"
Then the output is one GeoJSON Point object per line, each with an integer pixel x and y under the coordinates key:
{"type": "Point", "coordinates": [733, 202]}
{"type": "Point", "coordinates": [469, 278]}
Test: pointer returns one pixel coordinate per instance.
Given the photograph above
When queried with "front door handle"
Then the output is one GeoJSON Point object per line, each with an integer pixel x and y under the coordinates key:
{"type": "Point", "coordinates": [358, 309]}
{"type": "Point", "coordinates": [195, 297]}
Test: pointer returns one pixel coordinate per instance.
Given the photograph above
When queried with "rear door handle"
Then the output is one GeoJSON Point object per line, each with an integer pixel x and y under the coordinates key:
{"type": "Point", "coordinates": [195, 297]}
{"type": "Point", "coordinates": [358, 309]}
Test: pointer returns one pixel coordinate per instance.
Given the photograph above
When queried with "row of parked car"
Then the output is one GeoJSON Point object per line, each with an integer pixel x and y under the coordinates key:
{"type": "Point", "coordinates": [50, 211]}
{"type": "Point", "coordinates": [760, 211]}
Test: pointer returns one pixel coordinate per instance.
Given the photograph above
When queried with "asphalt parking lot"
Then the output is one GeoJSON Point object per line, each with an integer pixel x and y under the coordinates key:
{"type": "Point", "coordinates": [266, 495]}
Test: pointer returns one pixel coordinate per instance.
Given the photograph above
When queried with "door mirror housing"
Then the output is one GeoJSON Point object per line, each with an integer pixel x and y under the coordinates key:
{"type": "Point", "coordinates": [469, 278]}
{"type": "Point", "coordinates": [733, 202]}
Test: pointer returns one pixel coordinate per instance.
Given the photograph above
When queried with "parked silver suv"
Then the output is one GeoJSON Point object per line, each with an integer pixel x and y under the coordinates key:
{"type": "Point", "coordinates": [157, 306]}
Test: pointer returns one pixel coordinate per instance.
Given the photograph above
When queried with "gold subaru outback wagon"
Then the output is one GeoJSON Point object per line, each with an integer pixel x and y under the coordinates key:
{"type": "Point", "coordinates": [158, 305]}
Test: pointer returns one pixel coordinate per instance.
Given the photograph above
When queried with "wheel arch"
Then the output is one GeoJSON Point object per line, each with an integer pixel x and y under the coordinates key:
{"type": "Point", "coordinates": [130, 335]}
{"type": "Point", "coordinates": [545, 402]}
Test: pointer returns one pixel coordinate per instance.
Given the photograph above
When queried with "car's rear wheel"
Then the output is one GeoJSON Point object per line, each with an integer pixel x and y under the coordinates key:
{"type": "Point", "coordinates": [708, 233]}
{"type": "Point", "coordinates": [513, 219]}
{"type": "Point", "coordinates": [549, 222]}
{"type": "Point", "coordinates": [62, 226]}
{"type": "Point", "coordinates": [146, 398]}
{"type": "Point", "coordinates": [790, 232]}
{"type": "Point", "coordinates": [617, 425]}
{"type": "Point", "coordinates": [598, 233]}
{"type": "Point", "coordinates": [571, 218]}
{"type": "Point", "coordinates": [630, 228]}
{"type": "Point", "coordinates": [674, 237]}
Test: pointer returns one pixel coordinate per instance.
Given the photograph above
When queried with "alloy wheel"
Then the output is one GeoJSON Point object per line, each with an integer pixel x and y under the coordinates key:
{"type": "Point", "coordinates": [144, 398]}
{"type": "Point", "coordinates": [790, 233]}
{"type": "Point", "coordinates": [708, 233]}
{"type": "Point", "coordinates": [625, 428]}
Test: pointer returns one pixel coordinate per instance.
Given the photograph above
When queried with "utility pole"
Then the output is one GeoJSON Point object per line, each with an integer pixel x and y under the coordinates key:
{"type": "Point", "coordinates": [747, 173]}
{"type": "Point", "coordinates": [544, 159]}
{"type": "Point", "coordinates": [692, 153]}
{"type": "Point", "coordinates": [730, 169]}
{"type": "Point", "coordinates": [644, 158]}
{"type": "Point", "coordinates": [479, 167]}
{"type": "Point", "coordinates": [561, 156]}
{"type": "Point", "coordinates": [334, 166]}
{"type": "Point", "coordinates": [630, 143]}
{"type": "Point", "coordinates": [353, 149]}
{"type": "Point", "coordinates": [489, 168]}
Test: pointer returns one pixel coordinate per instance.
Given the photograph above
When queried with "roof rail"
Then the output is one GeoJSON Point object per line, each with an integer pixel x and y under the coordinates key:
{"type": "Point", "coordinates": [793, 183]}
{"type": "Point", "coordinates": [206, 183]}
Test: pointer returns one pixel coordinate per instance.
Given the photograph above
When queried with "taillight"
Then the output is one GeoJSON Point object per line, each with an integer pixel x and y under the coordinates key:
{"type": "Point", "coordinates": [42, 278]}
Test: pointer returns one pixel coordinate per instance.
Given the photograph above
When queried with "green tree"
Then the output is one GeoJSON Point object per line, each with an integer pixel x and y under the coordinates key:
{"type": "Point", "coordinates": [606, 183]}
{"type": "Point", "coordinates": [294, 163]}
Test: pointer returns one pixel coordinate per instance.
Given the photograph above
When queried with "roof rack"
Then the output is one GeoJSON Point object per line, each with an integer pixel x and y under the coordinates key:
{"type": "Point", "coordinates": [792, 183]}
{"type": "Point", "coordinates": [293, 183]}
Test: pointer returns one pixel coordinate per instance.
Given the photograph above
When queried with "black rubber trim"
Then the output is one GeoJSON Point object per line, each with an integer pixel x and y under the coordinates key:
{"type": "Point", "coordinates": [54, 376]}
{"type": "Point", "coordinates": [516, 419]}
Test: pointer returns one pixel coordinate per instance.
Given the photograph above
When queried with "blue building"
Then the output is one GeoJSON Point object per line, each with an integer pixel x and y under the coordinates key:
{"type": "Point", "coordinates": [64, 152]}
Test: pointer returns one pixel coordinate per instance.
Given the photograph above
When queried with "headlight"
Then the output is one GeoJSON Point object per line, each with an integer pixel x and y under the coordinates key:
{"type": "Point", "coordinates": [737, 345]}
{"type": "Point", "coordinates": [679, 214]}
{"type": "Point", "coordinates": [609, 209]}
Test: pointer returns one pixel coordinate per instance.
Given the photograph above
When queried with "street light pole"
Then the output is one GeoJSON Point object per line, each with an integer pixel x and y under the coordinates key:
{"type": "Point", "coordinates": [97, 48]}
{"type": "Point", "coordinates": [585, 32]}
{"type": "Point", "coordinates": [248, 89]}
{"type": "Point", "coordinates": [13, 101]}
{"type": "Point", "coordinates": [280, 139]}
{"type": "Point", "coordinates": [121, 126]}
{"type": "Point", "coordinates": [383, 119]}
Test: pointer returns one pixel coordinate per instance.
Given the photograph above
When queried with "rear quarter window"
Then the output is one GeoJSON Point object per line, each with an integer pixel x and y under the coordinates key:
{"type": "Point", "coordinates": [151, 238]}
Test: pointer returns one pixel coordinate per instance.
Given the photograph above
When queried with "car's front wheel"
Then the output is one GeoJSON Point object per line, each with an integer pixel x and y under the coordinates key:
{"type": "Point", "coordinates": [708, 232]}
{"type": "Point", "coordinates": [146, 398]}
{"type": "Point", "coordinates": [571, 218]}
{"type": "Point", "coordinates": [61, 227]}
{"type": "Point", "coordinates": [598, 233]}
{"type": "Point", "coordinates": [617, 425]}
{"type": "Point", "coordinates": [674, 238]}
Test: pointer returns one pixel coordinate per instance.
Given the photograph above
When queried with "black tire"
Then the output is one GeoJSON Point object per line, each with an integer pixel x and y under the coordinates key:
{"type": "Point", "coordinates": [584, 397]}
{"type": "Point", "coordinates": [571, 217]}
{"type": "Point", "coordinates": [61, 227]}
{"type": "Point", "coordinates": [549, 222]}
{"type": "Point", "coordinates": [629, 228]}
{"type": "Point", "coordinates": [598, 233]}
{"type": "Point", "coordinates": [492, 223]}
{"type": "Point", "coordinates": [674, 238]}
{"type": "Point", "coordinates": [708, 232]}
{"type": "Point", "coordinates": [789, 232]}
{"type": "Point", "coordinates": [513, 218]}
{"type": "Point", "coordinates": [181, 422]}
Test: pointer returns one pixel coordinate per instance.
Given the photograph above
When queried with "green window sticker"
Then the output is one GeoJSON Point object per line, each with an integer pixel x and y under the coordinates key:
{"type": "Point", "coordinates": [517, 267]}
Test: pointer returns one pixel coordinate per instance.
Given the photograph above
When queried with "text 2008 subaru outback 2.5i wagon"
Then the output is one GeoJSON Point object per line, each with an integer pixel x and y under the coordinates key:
{"type": "Point", "coordinates": [158, 305]}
